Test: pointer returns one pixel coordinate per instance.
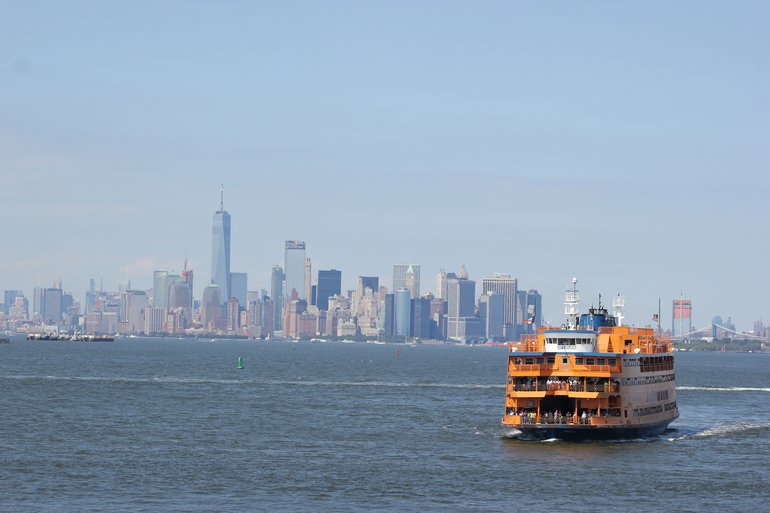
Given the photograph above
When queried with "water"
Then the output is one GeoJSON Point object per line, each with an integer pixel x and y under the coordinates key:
{"type": "Point", "coordinates": [169, 425]}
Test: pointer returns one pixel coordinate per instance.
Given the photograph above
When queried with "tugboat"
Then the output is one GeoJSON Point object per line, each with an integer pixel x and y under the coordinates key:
{"type": "Point", "coordinates": [590, 379]}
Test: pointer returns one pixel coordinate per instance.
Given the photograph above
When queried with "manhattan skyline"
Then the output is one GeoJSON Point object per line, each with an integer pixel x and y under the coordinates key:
{"type": "Point", "coordinates": [621, 144]}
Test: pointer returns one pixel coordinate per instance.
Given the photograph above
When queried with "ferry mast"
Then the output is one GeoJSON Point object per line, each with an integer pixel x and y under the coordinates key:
{"type": "Point", "coordinates": [572, 305]}
{"type": "Point", "coordinates": [619, 305]}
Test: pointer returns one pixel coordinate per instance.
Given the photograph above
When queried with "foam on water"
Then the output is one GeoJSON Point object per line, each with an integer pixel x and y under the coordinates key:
{"type": "Point", "coordinates": [727, 389]}
{"type": "Point", "coordinates": [724, 430]}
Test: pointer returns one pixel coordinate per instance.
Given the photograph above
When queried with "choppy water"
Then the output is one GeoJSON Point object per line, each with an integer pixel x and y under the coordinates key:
{"type": "Point", "coordinates": [169, 425]}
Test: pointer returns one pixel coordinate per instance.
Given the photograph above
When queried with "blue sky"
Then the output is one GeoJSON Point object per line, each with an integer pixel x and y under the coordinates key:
{"type": "Point", "coordinates": [622, 143]}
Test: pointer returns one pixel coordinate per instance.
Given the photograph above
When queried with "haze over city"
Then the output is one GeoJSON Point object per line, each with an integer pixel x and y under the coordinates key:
{"type": "Point", "coordinates": [621, 144]}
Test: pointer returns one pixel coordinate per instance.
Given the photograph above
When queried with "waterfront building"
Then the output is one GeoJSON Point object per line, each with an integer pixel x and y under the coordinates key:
{"type": "Point", "coordinates": [438, 316]}
{"type": "Point", "coordinates": [233, 314]}
{"type": "Point", "coordinates": [506, 286]}
{"type": "Point", "coordinates": [294, 268]}
{"type": "Point", "coordinates": [162, 283]}
{"type": "Point", "coordinates": [180, 296]}
{"type": "Point", "coordinates": [368, 282]}
{"type": "Point", "coordinates": [220, 251]}
{"type": "Point", "coordinates": [464, 329]}
{"type": "Point", "coordinates": [407, 276]}
{"type": "Point", "coordinates": [187, 276]}
{"type": "Point", "coordinates": [528, 311]}
{"type": "Point", "coordinates": [461, 296]}
{"type": "Point", "coordinates": [293, 323]}
{"type": "Point", "coordinates": [90, 295]}
{"type": "Point", "coordinates": [441, 284]}
{"type": "Point", "coordinates": [9, 297]}
{"type": "Point", "coordinates": [277, 295]}
{"type": "Point", "coordinates": [329, 284]}
{"type": "Point", "coordinates": [211, 315]}
{"type": "Point", "coordinates": [52, 306]}
{"type": "Point", "coordinates": [267, 321]}
{"type": "Point", "coordinates": [19, 310]}
{"type": "Point", "coordinates": [402, 319]}
{"type": "Point", "coordinates": [159, 289]}
{"type": "Point", "coordinates": [492, 315]}
{"type": "Point", "coordinates": [154, 318]}
{"type": "Point", "coordinates": [238, 287]}
{"type": "Point", "coordinates": [308, 292]}
{"type": "Point", "coordinates": [462, 325]}
{"type": "Point", "coordinates": [420, 317]}
{"type": "Point", "coordinates": [37, 303]}
{"type": "Point", "coordinates": [681, 323]}
{"type": "Point", "coordinates": [388, 324]}
{"type": "Point", "coordinates": [133, 304]}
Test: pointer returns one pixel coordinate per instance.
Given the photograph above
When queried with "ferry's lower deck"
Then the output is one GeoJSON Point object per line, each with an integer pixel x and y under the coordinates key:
{"type": "Point", "coordinates": [590, 395]}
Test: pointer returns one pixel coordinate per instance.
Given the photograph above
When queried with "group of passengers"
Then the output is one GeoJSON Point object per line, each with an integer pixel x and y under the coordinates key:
{"type": "Point", "coordinates": [555, 384]}
{"type": "Point", "coordinates": [557, 417]}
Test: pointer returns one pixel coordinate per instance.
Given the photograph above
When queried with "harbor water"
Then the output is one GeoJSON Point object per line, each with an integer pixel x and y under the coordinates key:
{"type": "Point", "coordinates": [175, 425]}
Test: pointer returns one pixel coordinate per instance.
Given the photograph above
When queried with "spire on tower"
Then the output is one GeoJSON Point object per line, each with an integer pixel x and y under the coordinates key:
{"type": "Point", "coordinates": [222, 198]}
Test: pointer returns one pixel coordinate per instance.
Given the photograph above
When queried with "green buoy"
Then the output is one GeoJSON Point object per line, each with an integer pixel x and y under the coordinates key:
{"type": "Point", "coordinates": [240, 362]}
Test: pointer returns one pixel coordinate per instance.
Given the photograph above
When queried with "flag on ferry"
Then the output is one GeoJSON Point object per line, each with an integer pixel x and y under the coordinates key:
{"type": "Point", "coordinates": [531, 319]}
{"type": "Point", "coordinates": [654, 317]}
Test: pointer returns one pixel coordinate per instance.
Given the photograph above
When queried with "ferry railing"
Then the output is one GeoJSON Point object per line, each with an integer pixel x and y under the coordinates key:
{"type": "Point", "coordinates": [589, 420]}
{"type": "Point", "coordinates": [566, 386]}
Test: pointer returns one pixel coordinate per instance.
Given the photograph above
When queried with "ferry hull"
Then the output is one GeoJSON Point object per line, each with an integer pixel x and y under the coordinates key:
{"type": "Point", "coordinates": [573, 433]}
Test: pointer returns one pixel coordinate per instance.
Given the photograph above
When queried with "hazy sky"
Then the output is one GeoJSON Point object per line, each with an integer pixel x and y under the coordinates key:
{"type": "Point", "coordinates": [625, 143]}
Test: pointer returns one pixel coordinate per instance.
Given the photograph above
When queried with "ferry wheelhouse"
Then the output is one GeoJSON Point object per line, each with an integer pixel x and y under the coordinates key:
{"type": "Point", "coordinates": [590, 379]}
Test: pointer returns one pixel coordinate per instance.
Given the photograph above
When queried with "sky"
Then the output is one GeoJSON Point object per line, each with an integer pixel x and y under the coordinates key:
{"type": "Point", "coordinates": [622, 143]}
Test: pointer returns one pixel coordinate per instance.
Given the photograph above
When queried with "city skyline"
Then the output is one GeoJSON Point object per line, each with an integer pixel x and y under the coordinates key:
{"type": "Point", "coordinates": [603, 142]}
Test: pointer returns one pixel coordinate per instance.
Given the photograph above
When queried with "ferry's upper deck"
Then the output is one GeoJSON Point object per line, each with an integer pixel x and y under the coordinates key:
{"type": "Point", "coordinates": [606, 339]}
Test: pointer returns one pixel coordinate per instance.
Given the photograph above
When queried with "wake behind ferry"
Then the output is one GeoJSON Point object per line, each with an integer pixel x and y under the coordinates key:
{"type": "Point", "coordinates": [591, 379]}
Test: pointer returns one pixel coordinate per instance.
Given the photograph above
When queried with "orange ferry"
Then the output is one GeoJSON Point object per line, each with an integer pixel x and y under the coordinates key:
{"type": "Point", "coordinates": [591, 379]}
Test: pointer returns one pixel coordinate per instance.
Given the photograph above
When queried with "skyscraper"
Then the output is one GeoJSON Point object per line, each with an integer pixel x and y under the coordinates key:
{"type": "Point", "coordinates": [212, 313]}
{"type": "Point", "coordinates": [369, 282]}
{"type": "Point", "coordinates": [308, 279]}
{"type": "Point", "coordinates": [407, 276]}
{"type": "Point", "coordinates": [388, 323]}
{"type": "Point", "coordinates": [403, 310]}
{"type": "Point", "coordinates": [133, 304]}
{"type": "Point", "coordinates": [238, 286]}
{"type": "Point", "coordinates": [161, 287]}
{"type": "Point", "coordinates": [329, 284]}
{"type": "Point", "coordinates": [492, 312]}
{"type": "Point", "coordinates": [220, 251]}
{"type": "Point", "coordinates": [420, 317]}
{"type": "Point", "coordinates": [506, 286]}
{"type": "Point", "coordinates": [294, 268]}
{"type": "Point", "coordinates": [9, 299]}
{"type": "Point", "coordinates": [52, 306]}
{"type": "Point", "coordinates": [462, 325]}
{"type": "Point", "coordinates": [441, 286]}
{"type": "Point", "coordinates": [682, 318]}
{"type": "Point", "coordinates": [276, 294]}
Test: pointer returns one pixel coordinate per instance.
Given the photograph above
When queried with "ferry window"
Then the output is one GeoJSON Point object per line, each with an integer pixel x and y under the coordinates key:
{"type": "Point", "coordinates": [578, 360]}
{"type": "Point", "coordinates": [600, 361]}
{"type": "Point", "coordinates": [551, 359]}
{"type": "Point", "coordinates": [539, 361]}
{"type": "Point", "coordinates": [589, 361]}
{"type": "Point", "coordinates": [611, 362]}
{"type": "Point", "coordinates": [629, 342]}
{"type": "Point", "coordinates": [565, 359]}
{"type": "Point", "coordinates": [529, 361]}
